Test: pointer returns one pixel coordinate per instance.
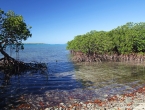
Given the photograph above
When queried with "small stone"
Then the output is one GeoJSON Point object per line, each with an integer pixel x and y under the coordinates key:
{"type": "Point", "coordinates": [105, 95]}
{"type": "Point", "coordinates": [69, 106]}
{"type": "Point", "coordinates": [48, 108]}
{"type": "Point", "coordinates": [61, 103]}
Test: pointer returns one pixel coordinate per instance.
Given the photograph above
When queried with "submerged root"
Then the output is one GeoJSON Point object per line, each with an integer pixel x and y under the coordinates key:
{"type": "Point", "coordinates": [13, 67]}
{"type": "Point", "coordinates": [16, 66]}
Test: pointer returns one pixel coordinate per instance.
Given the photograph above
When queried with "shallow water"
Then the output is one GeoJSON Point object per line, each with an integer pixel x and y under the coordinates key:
{"type": "Point", "coordinates": [106, 73]}
{"type": "Point", "coordinates": [63, 79]}
{"type": "Point", "coordinates": [111, 78]}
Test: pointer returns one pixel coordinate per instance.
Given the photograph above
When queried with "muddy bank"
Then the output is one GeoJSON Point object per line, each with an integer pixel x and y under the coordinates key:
{"type": "Point", "coordinates": [78, 56]}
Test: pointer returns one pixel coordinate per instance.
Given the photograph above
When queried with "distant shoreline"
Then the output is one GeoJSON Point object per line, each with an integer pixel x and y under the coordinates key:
{"type": "Point", "coordinates": [44, 43]}
{"type": "Point", "coordinates": [34, 43]}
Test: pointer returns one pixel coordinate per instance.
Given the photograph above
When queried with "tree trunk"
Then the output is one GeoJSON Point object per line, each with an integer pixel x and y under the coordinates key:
{"type": "Point", "coordinates": [8, 61]}
{"type": "Point", "coordinates": [7, 58]}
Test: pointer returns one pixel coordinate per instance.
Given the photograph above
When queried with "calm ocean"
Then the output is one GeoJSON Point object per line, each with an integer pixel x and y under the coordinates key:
{"type": "Point", "coordinates": [55, 56]}
{"type": "Point", "coordinates": [42, 53]}
{"type": "Point", "coordinates": [59, 76]}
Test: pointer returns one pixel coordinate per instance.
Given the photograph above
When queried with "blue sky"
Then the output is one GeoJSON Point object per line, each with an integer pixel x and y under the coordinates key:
{"type": "Point", "coordinates": [58, 21]}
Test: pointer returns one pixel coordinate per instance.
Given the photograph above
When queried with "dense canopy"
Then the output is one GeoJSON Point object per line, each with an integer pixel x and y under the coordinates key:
{"type": "Point", "coordinates": [125, 39]}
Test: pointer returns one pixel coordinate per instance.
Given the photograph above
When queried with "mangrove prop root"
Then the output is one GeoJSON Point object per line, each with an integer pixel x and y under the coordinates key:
{"type": "Point", "coordinates": [94, 57]}
{"type": "Point", "coordinates": [11, 64]}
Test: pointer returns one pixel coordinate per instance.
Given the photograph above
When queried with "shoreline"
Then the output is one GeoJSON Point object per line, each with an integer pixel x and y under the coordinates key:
{"type": "Point", "coordinates": [128, 101]}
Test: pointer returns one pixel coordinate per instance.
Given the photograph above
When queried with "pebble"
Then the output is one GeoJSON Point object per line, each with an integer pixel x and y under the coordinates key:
{"type": "Point", "coordinates": [141, 106]}
{"type": "Point", "coordinates": [85, 99]}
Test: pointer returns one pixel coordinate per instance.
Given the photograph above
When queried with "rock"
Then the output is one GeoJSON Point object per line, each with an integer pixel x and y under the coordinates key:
{"type": "Point", "coordinates": [141, 106]}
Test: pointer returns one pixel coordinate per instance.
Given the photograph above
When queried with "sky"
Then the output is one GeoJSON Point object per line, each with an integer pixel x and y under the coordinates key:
{"type": "Point", "coordinates": [59, 21]}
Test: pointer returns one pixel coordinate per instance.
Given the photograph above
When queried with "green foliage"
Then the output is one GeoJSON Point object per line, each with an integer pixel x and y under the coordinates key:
{"type": "Point", "coordinates": [125, 39]}
{"type": "Point", "coordinates": [13, 30]}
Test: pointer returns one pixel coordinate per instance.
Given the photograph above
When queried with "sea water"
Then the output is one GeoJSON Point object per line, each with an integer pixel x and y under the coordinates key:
{"type": "Point", "coordinates": [63, 78]}
{"type": "Point", "coordinates": [59, 75]}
